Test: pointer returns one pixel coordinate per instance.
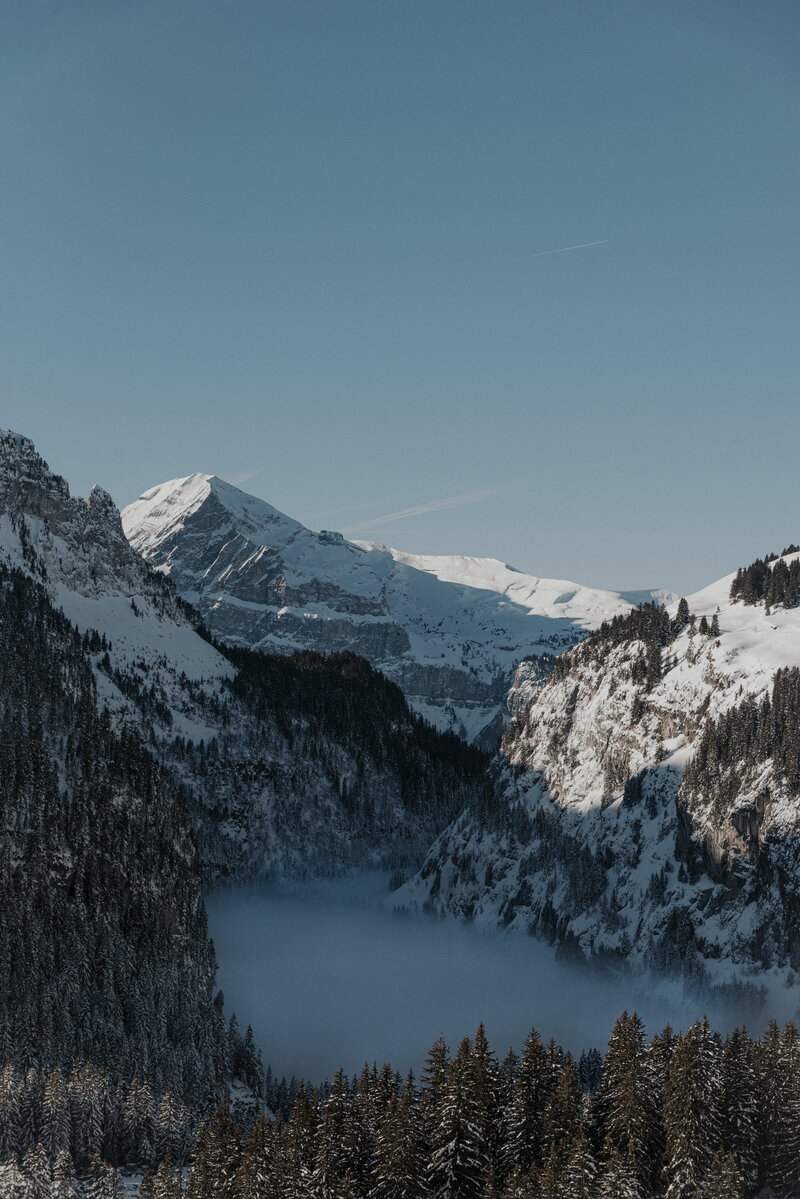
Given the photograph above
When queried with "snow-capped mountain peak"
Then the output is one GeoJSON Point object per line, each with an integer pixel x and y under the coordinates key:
{"type": "Point", "coordinates": [450, 630]}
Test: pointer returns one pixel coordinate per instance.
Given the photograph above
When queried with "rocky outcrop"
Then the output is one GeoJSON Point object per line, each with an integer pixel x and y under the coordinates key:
{"type": "Point", "coordinates": [287, 768]}
{"type": "Point", "coordinates": [449, 631]}
{"type": "Point", "coordinates": [605, 835]}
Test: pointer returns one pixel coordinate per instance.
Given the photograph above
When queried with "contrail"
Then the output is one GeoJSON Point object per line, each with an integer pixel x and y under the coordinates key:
{"type": "Point", "coordinates": [453, 501]}
{"type": "Point", "coordinates": [584, 245]}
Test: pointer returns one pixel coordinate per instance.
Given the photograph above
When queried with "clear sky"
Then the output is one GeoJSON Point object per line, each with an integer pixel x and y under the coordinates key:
{"type": "Point", "coordinates": [306, 246]}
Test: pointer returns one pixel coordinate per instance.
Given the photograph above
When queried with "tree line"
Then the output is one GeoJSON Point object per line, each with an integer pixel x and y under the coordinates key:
{"type": "Point", "coordinates": [769, 581]}
{"type": "Point", "coordinates": [682, 1116]}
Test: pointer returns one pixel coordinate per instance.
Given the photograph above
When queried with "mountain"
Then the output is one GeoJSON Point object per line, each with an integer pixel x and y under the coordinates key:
{"type": "Point", "coordinates": [104, 952]}
{"type": "Point", "coordinates": [139, 764]}
{"type": "Point", "coordinates": [646, 801]}
{"type": "Point", "coordinates": [292, 764]}
{"type": "Point", "coordinates": [450, 631]}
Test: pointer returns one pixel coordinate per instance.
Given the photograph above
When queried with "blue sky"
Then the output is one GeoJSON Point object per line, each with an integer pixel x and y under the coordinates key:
{"type": "Point", "coordinates": [294, 244]}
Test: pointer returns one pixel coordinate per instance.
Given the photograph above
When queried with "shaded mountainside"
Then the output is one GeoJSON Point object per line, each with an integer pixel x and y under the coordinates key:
{"type": "Point", "coordinates": [134, 758]}
{"type": "Point", "coordinates": [103, 939]}
{"type": "Point", "coordinates": [449, 631]}
{"type": "Point", "coordinates": [277, 784]}
{"type": "Point", "coordinates": [645, 800]}
{"type": "Point", "coordinates": [319, 766]}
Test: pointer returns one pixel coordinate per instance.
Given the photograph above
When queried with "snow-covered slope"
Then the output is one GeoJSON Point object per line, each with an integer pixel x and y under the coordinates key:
{"type": "Point", "coordinates": [449, 630]}
{"type": "Point", "coordinates": [276, 785]}
{"type": "Point", "coordinates": [595, 837]}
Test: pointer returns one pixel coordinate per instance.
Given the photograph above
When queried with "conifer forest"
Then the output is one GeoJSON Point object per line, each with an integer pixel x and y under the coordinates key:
{"type": "Point", "coordinates": [399, 686]}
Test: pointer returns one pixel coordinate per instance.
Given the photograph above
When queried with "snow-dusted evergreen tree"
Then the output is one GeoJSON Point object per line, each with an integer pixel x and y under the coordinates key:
{"type": "Point", "coordinates": [9, 1111]}
{"type": "Point", "coordinates": [14, 1182]}
{"type": "Point", "coordinates": [626, 1102]}
{"type": "Point", "coordinates": [739, 1106]}
{"type": "Point", "coordinates": [785, 1167]}
{"type": "Point", "coordinates": [64, 1182]}
{"type": "Point", "coordinates": [257, 1165]}
{"type": "Point", "coordinates": [104, 1181]}
{"type": "Point", "coordinates": [691, 1112]}
{"type": "Point", "coordinates": [562, 1115]}
{"type": "Point", "coordinates": [619, 1178]}
{"type": "Point", "coordinates": [400, 1158]}
{"type": "Point", "coordinates": [724, 1180]}
{"type": "Point", "coordinates": [296, 1149]}
{"type": "Point", "coordinates": [529, 1098]}
{"type": "Point", "coordinates": [580, 1169]}
{"type": "Point", "coordinates": [767, 1065]}
{"type": "Point", "coordinates": [330, 1167]}
{"type": "Point", "coordinates": [215, 1161]}
{"type": "Point", "coordinates": [56, 1125]}
{"type": "Point", "coordinates": [37, 1170]}
{"type": "Point", "coordinates": [459, 1161]}
{"type": "Point", "coordinates": [485, 1085]}
{"type": "Point", "coordinates": [434, 1076]}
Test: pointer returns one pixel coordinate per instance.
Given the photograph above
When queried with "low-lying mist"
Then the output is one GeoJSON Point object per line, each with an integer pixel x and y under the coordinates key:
{"type": "Point", "coordinates": [329, 978]}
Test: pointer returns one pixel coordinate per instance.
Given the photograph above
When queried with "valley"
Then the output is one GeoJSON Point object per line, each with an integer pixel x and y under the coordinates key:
{"type": "Point", "coordinates": [329, 976]}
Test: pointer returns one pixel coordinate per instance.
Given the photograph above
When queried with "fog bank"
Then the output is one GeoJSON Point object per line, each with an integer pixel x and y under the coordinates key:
{"type": "Point", "coordinates": [327, 977]}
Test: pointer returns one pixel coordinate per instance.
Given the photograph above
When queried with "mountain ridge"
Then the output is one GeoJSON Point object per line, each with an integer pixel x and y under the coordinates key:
{"type": "Point", "coordinates": [450, 630]}
{"type": "Point", "coordinates": [609, 831]}
{"type": "Point", "coordinates": [261, 806]}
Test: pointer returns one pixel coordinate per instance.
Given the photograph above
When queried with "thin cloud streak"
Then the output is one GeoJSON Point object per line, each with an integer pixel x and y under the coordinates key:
{"type": "Point", "coordinates": [584, 245]}
{"type": "Point", "coordinates": [244, 478]}
{"type": "Point", "coordinates": [453, 501]}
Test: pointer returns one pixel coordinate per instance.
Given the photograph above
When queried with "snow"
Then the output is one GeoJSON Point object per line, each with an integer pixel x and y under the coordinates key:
{"type": "Point", "coordinates": [144, 635]}
{"type": "Point", "coordinates": [454, 627]}
{"type": "Point", "coordinates": [576, 744]}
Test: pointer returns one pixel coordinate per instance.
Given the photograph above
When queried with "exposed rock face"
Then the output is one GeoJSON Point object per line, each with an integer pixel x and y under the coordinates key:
{"type": "Point", "coordinates": [449, 631]}
{"type": "Point", "coordinates": [598, 835]}
{"type": "Point", "coordinates": [79, 543]}
{"type": "Point", "coordinates": [277, 785]}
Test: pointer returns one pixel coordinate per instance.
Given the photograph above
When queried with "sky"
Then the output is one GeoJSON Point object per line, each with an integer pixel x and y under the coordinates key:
{"type": "Point", "coordinates": [311, 247]}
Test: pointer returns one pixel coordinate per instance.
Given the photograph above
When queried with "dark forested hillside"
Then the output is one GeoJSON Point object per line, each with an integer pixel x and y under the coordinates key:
{"type": "Point", "coordinates": [341, 697]}
{"type": "Point", "coordinates": [318, 766]}
{"type": "Point", "coordinates": [103, 945]}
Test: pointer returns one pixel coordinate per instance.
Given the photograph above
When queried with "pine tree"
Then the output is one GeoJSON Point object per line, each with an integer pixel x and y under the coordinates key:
{"type": "Point", "coordinates": [738, 1106]}
{"type": "Point", "coordinates": [167, 1182]}
{"type": "Point", "coordinates": [434, 1076]}
{"type": "Point", "coordinates": [255, 1168]}
{"type": "Point", "coordinates": [526, 1111]}
{"type": "Point", "coordinates": [562, 1114]}
{"type": "Point", "coordinates": [399, 1160]}
{"type": "Point", "coordinates": [767, 1065]}
{"type": "Point", "coordinates": [618, 1179]}
{"type": "Point", "coordinates": [785, 1167]}
{"type": "Point", "coordinates": [691, 1112]}
{"type": "Point", "coordinates": [724, 1180]}
{"type": "Point", "coordinates": [215, 1160]}
{"type": "Point", "coordinates": [330, 1165]}
{"type": "Point", "coordinates": [459, 1160]}
{"type": "Point", "coordinates": [484, 1074]}
{"type": "Point", "coordinates": [626, 1100]}
{"type": "Point", "coordinates": [681, 616]}
{"type": "Point", "coordinates": [296, 1150]}
{"type": "Point", "coordinates": [104, 1182]}
{"type": "Point", "coordinates": [64, 1183]}
{"type": "Point", "coordinates": [580, 1170]}
{"type": "Point", "coordinates": [37, 1170]}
